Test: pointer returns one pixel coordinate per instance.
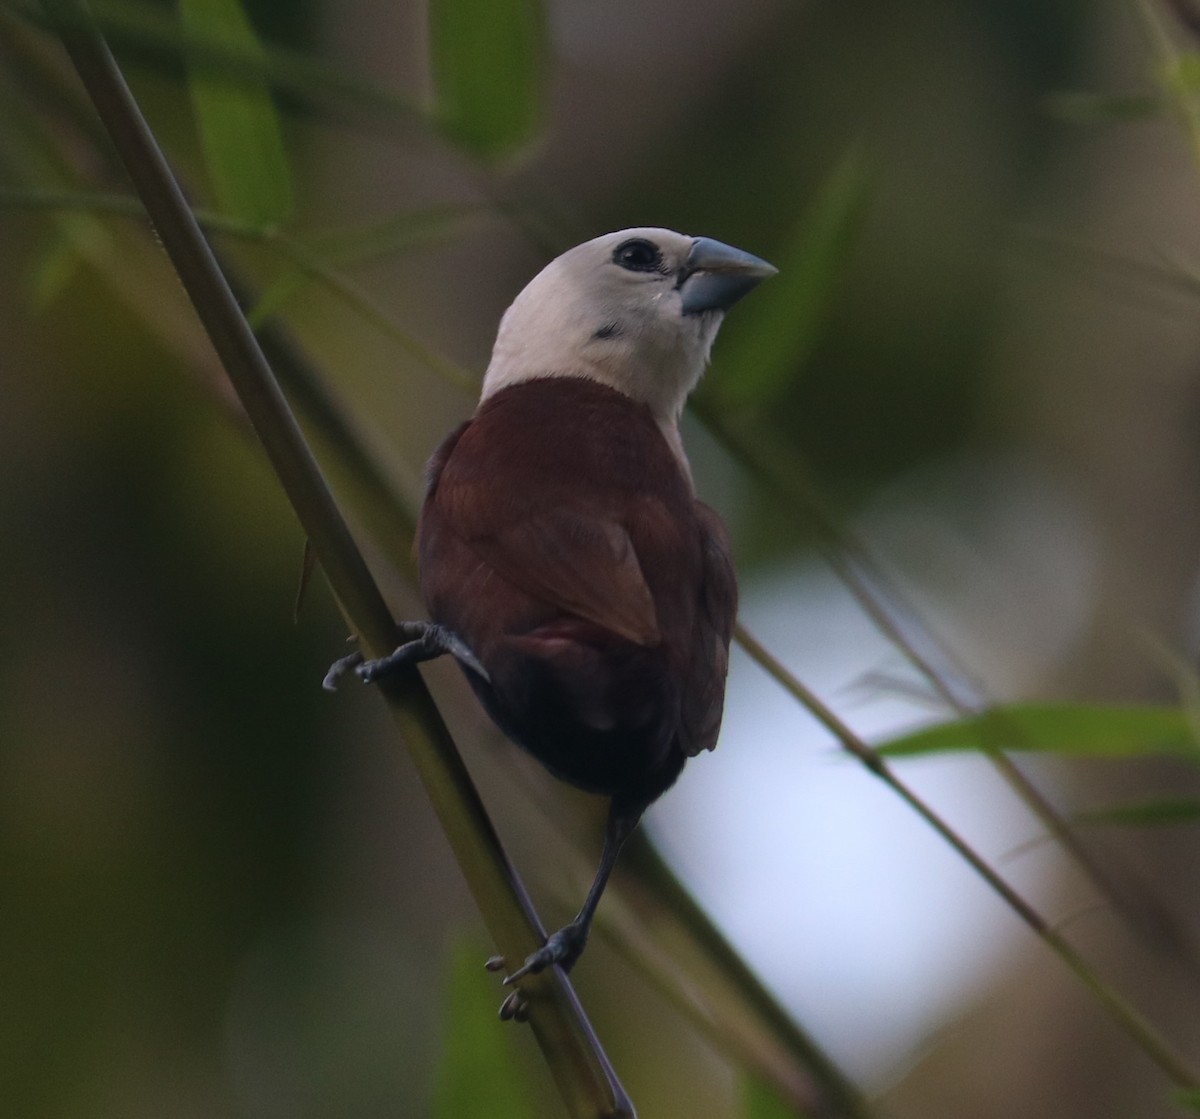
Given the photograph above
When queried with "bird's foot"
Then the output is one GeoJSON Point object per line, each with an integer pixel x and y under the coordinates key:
{"type": "Point", "coordinates": [515, 1007]}
{"type": "Point", "coordinates": [562, 948]}
{"type": "Point", "coordinates": [339, 668]}
{"type": "Point", "coordinates": [421, 641]}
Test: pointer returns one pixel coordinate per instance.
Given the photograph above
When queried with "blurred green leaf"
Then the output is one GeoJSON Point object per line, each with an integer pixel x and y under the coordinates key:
{"type": "Point", "coordinates": [1184, 76]}
{"type": "Point", "coordinates": [343, 248]}
{"type": "Point", "coordinates": [1150, 812]}
{"type": "Point", "coordinates": [57, 268]}
{"type": "Point", "coordinates": [768, 340]}
{"type": "Point", "coordinates": [151, 31]}
{"type": "Point", "coordinates": [240, 131]}
{"type": "Point", "coordinates": [479, 1077]}
{"type": "Point", "coordinates": [489, 60]}
{"type": "Point", "coordinates": [388, 236]}
{"type": "Point", "coordinates": [79, 238]}
{"type": "Point", "coordinates": [1182, 671]}
{"type": "Point", "coordinates": [276, 294]}
{"type": "Point", "coordinates": [1103, 108]}
{"type": "Point", "coordinates": [1188, 1098]}
{"type": "Point", "coordinates": [761, 1101]}
{"type": "Point", "coordinates": [1057, 728]}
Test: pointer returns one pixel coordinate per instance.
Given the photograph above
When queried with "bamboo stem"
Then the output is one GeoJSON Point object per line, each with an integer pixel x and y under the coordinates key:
{"type": "Point", "coordinates": [584, 1076]}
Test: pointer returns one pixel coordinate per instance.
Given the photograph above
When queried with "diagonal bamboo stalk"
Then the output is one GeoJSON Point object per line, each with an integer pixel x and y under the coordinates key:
{"type": "Point", "coordinates": [850, 560]}
{"type": "Point", "coordinates": [720, 996]}
{"type": "Point", "coordinates": [839, 1094]}
{"type": "Point", "coordinates": [584, 1076]}
{"type": "Point", "coordinates": [1038, 923]}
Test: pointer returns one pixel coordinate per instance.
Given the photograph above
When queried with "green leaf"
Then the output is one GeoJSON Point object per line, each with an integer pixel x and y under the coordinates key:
{"type": "Point", "coordinates": [1065, 728]}
{"type": "Point", "coordinates": [362, 244]}
{"type": "Point", "coordinates": [1103, 108]}
{"type": "Point", "coordinates": [489, 61]}
{"type": "Point", "coordinates": [148, 30]}
{"type": "Point", "coordinates": [767, 341]}
{"type": "Point", "coordinates": [79, 238]}
{"type": "Point", "coordinates": [389, 236]}
{"type": "Point", "coordinates": [240, 131]}
{"type": "Point", "coordinates": [1184, 76]}
{"type": "Point", "coordinates": [1188, 1098]}
{"type": "Point", "coordinates": [54, 272]}
{"type": "Point", "coordinates": [761, 1101]}
{"type": "Point", "coordinates": [1151, 812]}
{"type": "Point", "coordinates": [478, 1077]}
{"type": "Point", "coordinates": [276, 294]}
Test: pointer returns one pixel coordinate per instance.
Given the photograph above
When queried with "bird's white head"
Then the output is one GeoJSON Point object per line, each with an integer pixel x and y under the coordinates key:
{"type": "Point", "coordinates": [636, 310]}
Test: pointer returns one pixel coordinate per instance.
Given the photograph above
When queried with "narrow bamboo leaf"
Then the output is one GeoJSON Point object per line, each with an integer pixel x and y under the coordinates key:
{"type": "Point", "coordinates": [240, 131]}
{"type": "Point", "coordinates": [1183, 674]}
{"type": "Point", "coordinates": [51, 275]}
{"type": "Point", "coordinates": [389, 236]}
{"type": "Point", "coordinates": [761, 1101]}
{"type": "Point", "coordinates": [143, 27]}
{"type": "Point", "coordinates": [308, 562]}
{"type": "Point", "coordinates": [771, 337]}
{"type": "Point", "coordinates": [276, 294]}
{"type": "Point", "coordinates": [78, 237]}
{"type": "Point", "coordinates": [1103, 108]}
{"type": "Point", "coordinates": [345, 248]}
{"type": "Point", "coordinates": [1066, 728]}
{"type": "Point", "coordinates": [478, 1077]}
{"type": "Point", "coordinates": [489, 61]}
{"type": "Point", "coordinates": [1184, 77]}
{"type": "Point", "coordinates": [1151, 812]}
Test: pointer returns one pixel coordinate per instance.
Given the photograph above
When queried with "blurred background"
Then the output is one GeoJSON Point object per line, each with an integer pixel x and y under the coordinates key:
{"type": "Point", "coordinates": [224, 891]}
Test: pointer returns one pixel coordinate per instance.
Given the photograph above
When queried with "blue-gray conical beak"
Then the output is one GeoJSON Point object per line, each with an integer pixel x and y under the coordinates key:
{"type": "Point", "coordinates": [716, 276]}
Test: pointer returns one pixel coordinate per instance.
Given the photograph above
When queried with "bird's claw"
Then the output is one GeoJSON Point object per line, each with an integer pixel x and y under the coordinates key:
{"type": "Point", "coordinates": [562, 948]}
{"type": "Point", "coordinates": [339, 668]}
{"type": "Point", "coordinates": [515, 1008]}
{"type": "Point", "coordinates": [413, 648]}
{"type": "Point", "coordinates": [420, 641]}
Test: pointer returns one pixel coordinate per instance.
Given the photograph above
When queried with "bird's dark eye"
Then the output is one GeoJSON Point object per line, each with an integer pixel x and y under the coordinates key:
{"type": "Point", "coordinates": [638, 255]}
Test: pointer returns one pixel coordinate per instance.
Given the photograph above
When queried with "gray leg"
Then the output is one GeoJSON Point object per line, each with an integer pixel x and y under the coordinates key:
{"type": "Point", "coordinates": [425, 641]}
{"type": "Point", "coordinates": [565, 946]}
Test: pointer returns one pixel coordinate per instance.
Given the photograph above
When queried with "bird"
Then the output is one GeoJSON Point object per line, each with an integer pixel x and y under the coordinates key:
{"type": "Point", "coordinates": [564, 558]}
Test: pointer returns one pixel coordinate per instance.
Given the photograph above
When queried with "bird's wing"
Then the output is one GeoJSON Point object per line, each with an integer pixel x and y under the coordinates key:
{"type": "Point", "coordinates": [702, 708]}
{"type": "Point", "coordinates": [573, 555]}
{"type": "Point", "coordinates": [552, 485]}
{"type": "Point", "coordinates": [584, 565]}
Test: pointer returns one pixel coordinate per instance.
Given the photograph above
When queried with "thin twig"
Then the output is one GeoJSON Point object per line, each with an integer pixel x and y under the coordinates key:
{"type": "Point", "coordinates": [883, 604]}
{"type": "Point", "coordinates": [1151, 1042]}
